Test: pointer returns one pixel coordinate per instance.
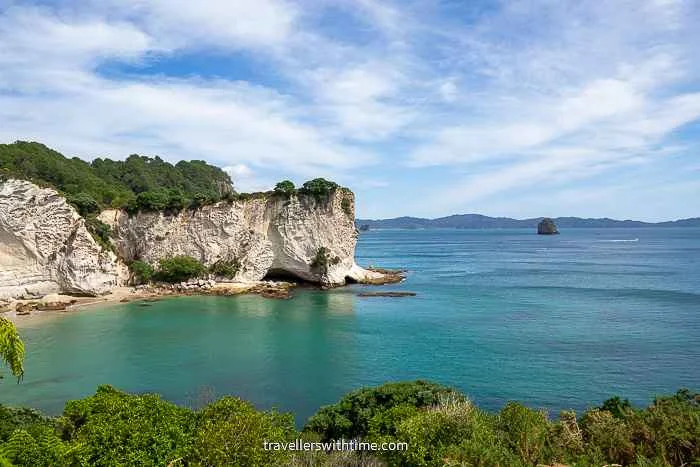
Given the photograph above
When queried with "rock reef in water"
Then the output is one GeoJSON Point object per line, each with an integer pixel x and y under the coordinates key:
{"type": "Point", "coordinates": [46, 248]}
{"type": "Point", "coordinates": [547, 227]}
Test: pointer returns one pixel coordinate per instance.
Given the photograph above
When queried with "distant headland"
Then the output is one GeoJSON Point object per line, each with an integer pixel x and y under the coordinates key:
{"type": "Point", "coordinates": [478, 221]}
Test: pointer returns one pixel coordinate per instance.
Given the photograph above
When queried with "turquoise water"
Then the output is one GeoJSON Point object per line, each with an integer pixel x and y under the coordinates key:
{"type": "Point", "coordinates": [558, 322]}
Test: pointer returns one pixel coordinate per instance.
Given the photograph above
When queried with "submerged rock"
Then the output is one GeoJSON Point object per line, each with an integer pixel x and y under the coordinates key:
{"type": "Point", "coordinates": [547, 227]}
{"type": "Point", "coordinates": [387, 294]}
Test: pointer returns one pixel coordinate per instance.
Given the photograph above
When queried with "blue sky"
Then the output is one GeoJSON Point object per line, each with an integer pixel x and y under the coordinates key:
{"type": "Point", "coordinates": [427, 107]}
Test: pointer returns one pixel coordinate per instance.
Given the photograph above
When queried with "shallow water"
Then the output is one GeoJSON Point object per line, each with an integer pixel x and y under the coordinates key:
{"type": "Point", "coordinates": [556, 321]}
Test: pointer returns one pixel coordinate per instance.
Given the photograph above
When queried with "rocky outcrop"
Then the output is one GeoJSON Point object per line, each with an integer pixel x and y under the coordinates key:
{"type": "Point", "coordinates": [266, 236]}
{"type": "Point", "coordinates": [46, 248]}
{"type": "Point", "coordinates": [547, 227]}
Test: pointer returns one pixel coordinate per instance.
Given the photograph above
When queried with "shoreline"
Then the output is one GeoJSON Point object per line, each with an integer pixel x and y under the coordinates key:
{"type": "Point", "coordinates": [52, 303]}
{"type": "Point", "coordinates": [280, 290]}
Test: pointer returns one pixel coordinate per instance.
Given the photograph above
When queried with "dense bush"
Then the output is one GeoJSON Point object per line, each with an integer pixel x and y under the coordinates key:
{"type": "Point", "coordinates": [135, 183]}
{"type": "Point", "coordinates": [351, 416]}
{"type": "Point", "coordinates": [285, 188]}
{"type": "Point", "coordinates": [232, 432]}
{"type": "Point", "coordinates": [323, 259]}
{"type": "Point", "coordinates": [225, 268]}
{"type": "Point", "coordinates": [440, 426]}
{"type": "Point", "coordinates": [41, 447]}
{"type": "Point", "coordinates": [84, 203]}
{"type": "Point", "coordinates": [140, 272]}
{"type": "Point", "coordinates": [115, 428]}
{"type": "Point", "coordinates": [152, 200]}
{"type": "Point", "coordinates": [179, 268]}
{"type": "Point", "coordinates": [138, 182]}
{"type": "Point", "coordinates": [446, 429]}
{"type": "Point", "coordinates": [318, 188]}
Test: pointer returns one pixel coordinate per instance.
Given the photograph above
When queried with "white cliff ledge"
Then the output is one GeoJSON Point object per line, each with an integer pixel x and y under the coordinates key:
{"type": "Point", "coordinates": [46, 248]}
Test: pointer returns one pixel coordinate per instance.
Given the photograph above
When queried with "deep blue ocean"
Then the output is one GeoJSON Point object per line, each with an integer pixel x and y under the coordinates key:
{"type": "Point", "coordinates": [557, 322]}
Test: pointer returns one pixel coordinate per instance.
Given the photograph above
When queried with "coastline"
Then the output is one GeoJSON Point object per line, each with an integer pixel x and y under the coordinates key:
{"type": "Point", "coordinates": [280, 290]}
{"type": "Point", "coordinates": [122, 294]}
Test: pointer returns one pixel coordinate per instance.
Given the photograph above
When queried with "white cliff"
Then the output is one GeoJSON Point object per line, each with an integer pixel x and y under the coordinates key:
{"type": "Point", "coordinates": [270, 235]}
{"type": "Point", "coordinates": [46, 248]}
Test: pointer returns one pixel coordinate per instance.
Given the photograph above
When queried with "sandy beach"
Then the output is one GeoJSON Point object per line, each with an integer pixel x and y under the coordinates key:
{"type": "Point", "coordinates": [18, 309]}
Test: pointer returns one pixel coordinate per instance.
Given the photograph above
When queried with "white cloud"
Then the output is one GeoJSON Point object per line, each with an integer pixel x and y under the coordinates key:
{"type": "Point", "coordinates": [448, 90]}
{"type": "Point", "coordinates": [360, 100]}
{"type": "Point", "coordinates": [230, 24]}
{"type": "Point", "coordinates": [525, 93]}
{"type": "Point", "coordinates": [57, 97]}
{"type": "Point", "coordinates": [246, 180]}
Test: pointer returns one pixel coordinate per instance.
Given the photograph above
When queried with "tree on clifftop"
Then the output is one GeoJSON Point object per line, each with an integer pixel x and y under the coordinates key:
{"type": "Point", "coordinates": [285, 187]}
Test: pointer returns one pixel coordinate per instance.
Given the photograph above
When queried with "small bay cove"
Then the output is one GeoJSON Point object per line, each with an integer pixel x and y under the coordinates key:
{"type": "Point", "coordinates": [557, 322]}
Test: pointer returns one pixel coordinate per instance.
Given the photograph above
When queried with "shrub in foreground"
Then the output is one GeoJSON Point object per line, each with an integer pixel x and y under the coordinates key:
{"type": "Point", "coordinates": [350, 417]}
{"type": "Point", "coordinates": [115, 428]}
{"type": "Point", "coordinates": [232, 432]}
{"type": "Point", "coordinates": [440, 426]}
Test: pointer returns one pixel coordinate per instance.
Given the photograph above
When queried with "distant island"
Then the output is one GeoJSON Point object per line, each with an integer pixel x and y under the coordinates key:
{"type": "Point", "coordinates": [478, 221]}
{"type": "Point", "coordinates": [547, 227]}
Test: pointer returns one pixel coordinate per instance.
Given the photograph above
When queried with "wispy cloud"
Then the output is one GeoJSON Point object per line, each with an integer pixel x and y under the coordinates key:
{"type": "Point", "coordinates": [458, 104]}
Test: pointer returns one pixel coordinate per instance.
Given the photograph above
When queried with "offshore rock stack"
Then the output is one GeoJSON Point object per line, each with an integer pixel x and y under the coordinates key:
{"type": "Point", "coordinates": [547, 227]}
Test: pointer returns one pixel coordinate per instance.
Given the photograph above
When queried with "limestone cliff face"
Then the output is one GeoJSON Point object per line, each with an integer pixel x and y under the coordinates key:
{"type": "Point", "coordinates": [46, 248]}
{"type": "Point", "coordinates": [267, 236]}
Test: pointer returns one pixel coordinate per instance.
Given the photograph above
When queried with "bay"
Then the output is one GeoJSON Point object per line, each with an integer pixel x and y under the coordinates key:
{"type": "Point", "coordinates": [557, 322]}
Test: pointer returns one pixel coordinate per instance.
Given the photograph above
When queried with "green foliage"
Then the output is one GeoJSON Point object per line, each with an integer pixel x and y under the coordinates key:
{"type": "Point", "coordinates": [232, 432]}
{"type": "Point", "coordinates": [179, 268]}
{"type": "Point", "coordinates": [115, 428]}
{"type": "Point", "coordinates": [43, 447]}
{"type": "Point", "coordinates": [607, 438]}
{"type": "Point", "coordinates": [350, 417]}
{"type": "Point", "coordinates": [140, 272]}
{"type": "Point", "coordinates": [524, 431]}
{"type": "Point", "coordinates": [346, 206]}
{"type": "Point", "coordinates": [448, 430]}
{"type": "Point", "coordinates": [199, 199]}
{"type": "Point", "coordinates": [440, 426]}
{"type": "Point", "coordinates": [28, 438]}
{"type": "Point", "coordinates": [119, 184]}
{"type": "Point", "coordinates": [323, 259]}
{"type": "Point", "coordinates": [100, 231]}
{"type": "Point", "coordinates": [616, 406]}
{"type": "Point", "coordinates": [285, 188]}
{"type": "Point", "coordinates": [177, 200]}
{"type": "Point", "coordinates": [84, 203]}
{"type": "Point", "coordinates": [318, 188]}
{"type": "Point", "coordinates": [669, 429]}
{"type": "Point", "coordinates": [458, 434]}
{"type": "Point", "coordinates": [152, 200]}
{"type": "Point", "coordinates": [225, 268]}
{"type": "Point", "coordinates": [11, 348]}
{"type": "Point", "coordinates": [12, 419]}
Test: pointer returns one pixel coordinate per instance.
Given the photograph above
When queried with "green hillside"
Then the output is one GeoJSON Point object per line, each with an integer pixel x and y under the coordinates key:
{"type": "Point", "coordinates": [138, 182]}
